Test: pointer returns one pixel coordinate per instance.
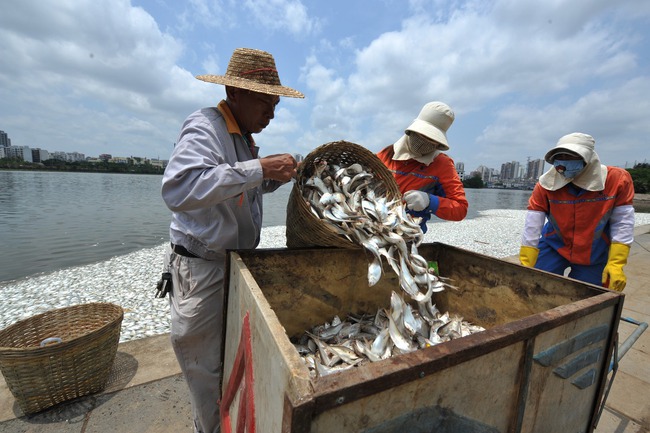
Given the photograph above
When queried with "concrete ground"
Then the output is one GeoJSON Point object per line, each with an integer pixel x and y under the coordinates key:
{"type": "Point", "coordinates": [147, 393]}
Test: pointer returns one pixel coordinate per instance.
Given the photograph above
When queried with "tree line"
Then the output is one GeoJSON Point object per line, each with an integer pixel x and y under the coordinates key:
{"type": "Point", "coordinates": [80, 166]}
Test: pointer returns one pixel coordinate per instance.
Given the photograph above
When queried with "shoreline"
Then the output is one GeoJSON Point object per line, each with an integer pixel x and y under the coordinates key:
{"type": "Point", "coordinates": [130, 280]}
{"type": "Point", "coordinates": [641, 203]}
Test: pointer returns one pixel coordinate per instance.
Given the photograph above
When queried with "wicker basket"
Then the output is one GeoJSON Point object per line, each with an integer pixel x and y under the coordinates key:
{"type": "Point", "coordinates": [41, 373]}
{"type": "Point", "coordinates": [304, 229]}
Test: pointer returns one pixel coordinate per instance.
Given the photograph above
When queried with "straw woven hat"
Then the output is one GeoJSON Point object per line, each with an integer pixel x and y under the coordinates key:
{"type": "Point", "coordinates": [252, 70]}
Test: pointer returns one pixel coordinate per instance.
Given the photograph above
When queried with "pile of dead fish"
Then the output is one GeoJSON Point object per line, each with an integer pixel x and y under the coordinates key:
{"type": "Point", "coordinates": [346, 199]}
{"type": "Point", "coordinates": [341, 345]}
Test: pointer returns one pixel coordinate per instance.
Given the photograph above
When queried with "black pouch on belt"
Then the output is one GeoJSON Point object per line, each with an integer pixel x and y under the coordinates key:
{"type": "Point", "coordinates": [164, 285]}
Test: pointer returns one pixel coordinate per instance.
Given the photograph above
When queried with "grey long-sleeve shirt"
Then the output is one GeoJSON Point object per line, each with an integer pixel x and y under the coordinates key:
{"type": "Point", "coordinates": [213, 185]}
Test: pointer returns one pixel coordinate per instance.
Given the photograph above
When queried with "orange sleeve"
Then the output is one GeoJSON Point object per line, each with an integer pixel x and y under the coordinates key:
{"type": "Point", "coordinates": [538, 200]}
{"type": "Point", "coordinates": [453, 206]}
{"type": "Point", "coordinates": [625, 191]}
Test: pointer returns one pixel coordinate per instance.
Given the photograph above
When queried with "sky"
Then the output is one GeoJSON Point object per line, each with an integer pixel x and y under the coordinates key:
{"type": "Point", "coordinates": [118, 76]}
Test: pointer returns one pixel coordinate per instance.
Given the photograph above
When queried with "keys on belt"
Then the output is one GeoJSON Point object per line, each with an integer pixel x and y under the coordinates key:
{"type": "Point", "coordinates": [164, 285]}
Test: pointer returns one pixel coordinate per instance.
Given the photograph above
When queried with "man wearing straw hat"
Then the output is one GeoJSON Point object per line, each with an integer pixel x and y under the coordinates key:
{"type": "Point", "coordinates": [213, 185]}
{"type": "Point", "coordinates": [425, 175]}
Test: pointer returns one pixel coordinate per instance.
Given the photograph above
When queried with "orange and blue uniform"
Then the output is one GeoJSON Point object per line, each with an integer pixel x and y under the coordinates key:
{"type": "Point", "coordinates": [439, 179]}
{"type": "Point", "coordinates": [579, 231]}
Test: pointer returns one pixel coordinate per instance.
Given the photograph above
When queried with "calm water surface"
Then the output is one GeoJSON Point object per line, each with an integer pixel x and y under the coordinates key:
{"type": "Point", "coordinates": [50, 221]}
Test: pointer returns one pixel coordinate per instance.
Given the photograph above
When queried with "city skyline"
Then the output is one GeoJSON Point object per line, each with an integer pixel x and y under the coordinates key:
{"type": "Point", "coordinates": [4, 138]}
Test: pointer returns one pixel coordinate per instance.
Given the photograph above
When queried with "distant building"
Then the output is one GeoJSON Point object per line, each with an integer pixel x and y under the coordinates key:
{"type": "Point", "coordinates": [75, 157]}
{"type": "Point", "coordinates": [535, 169]}
{"type": "Point", "coordinates": [460, 169]}
{"type": "Point", "coordinates": [511, 171]}
{"type": "Point", "coordinates": [59, 156]}
{"type": "Point", "coordinates": [5, 141]}
{"type": "Point", "coordinates": [488, 175]}
{"type": "Point", "coordinates": [19, 152]}
{"type": "Point", "coordinates": [40, 155]}
{"type": "Point", "coordinates": [158, 163]}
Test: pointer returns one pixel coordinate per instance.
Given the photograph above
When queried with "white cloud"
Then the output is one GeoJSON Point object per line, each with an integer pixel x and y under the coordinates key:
{"type": "Point", "coordinates": [615, 117]}
{"type": "Point", "coordinates": [102, 69]}
{"type": "Point", "coordinates": [478, 60]}
{"type": "Point", "coordinates": [290, 15]}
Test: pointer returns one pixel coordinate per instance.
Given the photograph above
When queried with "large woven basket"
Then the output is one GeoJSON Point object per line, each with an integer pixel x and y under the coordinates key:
{"type": "Point", "coordinates": [304, 229]}
{"type": "Point", "coordinates": [41, 374]}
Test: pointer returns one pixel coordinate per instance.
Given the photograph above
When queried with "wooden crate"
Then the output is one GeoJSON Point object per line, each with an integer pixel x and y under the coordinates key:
{"type": "Point", "coordinates": [540, 366]}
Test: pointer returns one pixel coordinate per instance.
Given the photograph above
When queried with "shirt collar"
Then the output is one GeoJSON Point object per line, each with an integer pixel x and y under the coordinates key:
{"type": "Point", "coordinates": [233, 127]}
{"type": "Point", "coordinates": [231, 123]}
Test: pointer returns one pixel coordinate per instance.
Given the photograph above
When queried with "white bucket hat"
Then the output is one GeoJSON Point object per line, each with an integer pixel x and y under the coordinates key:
{"type": "Point", "coordinates": [434, 120]}
{"type": "Point", "coordinates": [576, 142]}
{"type": "Point", "coordinates": [591, 178]}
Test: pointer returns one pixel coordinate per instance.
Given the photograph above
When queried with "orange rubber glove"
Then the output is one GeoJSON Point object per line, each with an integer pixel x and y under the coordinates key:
{"type": "Point", "coordinates": [613, 276]}
{"type": "Point", "coordinates": [528, 256]}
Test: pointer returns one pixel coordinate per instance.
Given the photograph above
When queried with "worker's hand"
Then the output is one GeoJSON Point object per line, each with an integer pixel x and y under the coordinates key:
{"type": "Point", "coordinates": [281, 167]}
{"type": "Point", "coordinates": [528, 255]}
{"type": "Point", "coordinates": [613, 276]}
{"type": "Point", "coordinates": [416, 200]}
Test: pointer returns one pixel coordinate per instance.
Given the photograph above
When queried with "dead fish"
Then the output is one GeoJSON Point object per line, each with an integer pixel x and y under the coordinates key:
{"type": "Point", "coordinates": [401, 342]}
{"type": "Point", "coordinates": [374, 271]}
{"type": "Point", "coordinates": [346, 354]}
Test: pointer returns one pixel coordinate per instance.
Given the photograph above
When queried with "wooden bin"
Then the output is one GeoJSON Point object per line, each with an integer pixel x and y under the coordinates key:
{"type": "Point", "coordinates": [541, 365]}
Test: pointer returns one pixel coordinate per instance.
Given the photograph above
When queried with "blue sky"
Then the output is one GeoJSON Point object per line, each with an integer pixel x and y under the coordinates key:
{"type": "Point", "coordinates": [117, 76]}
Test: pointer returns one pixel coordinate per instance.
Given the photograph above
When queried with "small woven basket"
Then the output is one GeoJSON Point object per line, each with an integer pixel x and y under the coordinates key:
{"type": "Point", "coordinates": [304, 229]}
{"type": "Point", "coordinates": [60, 355]}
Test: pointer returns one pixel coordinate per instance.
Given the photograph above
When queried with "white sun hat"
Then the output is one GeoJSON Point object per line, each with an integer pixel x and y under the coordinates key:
{"type": "Point", "coordinates": [434, 120]}
{"type": "Point", "coordinates": [591, 178]}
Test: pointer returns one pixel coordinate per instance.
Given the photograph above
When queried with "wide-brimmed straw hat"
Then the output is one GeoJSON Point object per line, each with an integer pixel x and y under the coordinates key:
{"type": "Point", "coordinates": [252, 70]}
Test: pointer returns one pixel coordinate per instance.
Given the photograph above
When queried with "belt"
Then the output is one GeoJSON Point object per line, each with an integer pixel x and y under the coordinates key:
{"type": "Point", "coordinates": [181, 251]}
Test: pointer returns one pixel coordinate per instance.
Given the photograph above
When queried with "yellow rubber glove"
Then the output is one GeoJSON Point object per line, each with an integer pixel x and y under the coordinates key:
{"type": "Point", "coordinates": [613, 276]}
{"type": "Point", "coordinates": [528, 256]}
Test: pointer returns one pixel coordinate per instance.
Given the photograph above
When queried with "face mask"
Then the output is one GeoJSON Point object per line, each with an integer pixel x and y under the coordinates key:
{"type": "Point", "coordinates": [419, 145]}
{"type": "Point", "coordinates": [568, 168]}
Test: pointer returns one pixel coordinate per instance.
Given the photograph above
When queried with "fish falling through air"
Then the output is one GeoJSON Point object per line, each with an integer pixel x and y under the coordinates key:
{"type": "Point", "coordinates": [346, 199]}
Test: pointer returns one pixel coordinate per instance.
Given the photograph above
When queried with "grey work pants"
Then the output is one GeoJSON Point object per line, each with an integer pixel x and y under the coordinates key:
{"type": "Point", "coordinates": [196, 332]}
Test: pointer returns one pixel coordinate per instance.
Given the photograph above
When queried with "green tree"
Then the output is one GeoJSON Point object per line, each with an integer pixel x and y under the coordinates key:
{"type": "Point", "coordinates": [474, 182]}
{"type": "Point", "coordinates": [80, 166]}
{"type": "Point", "coordinates": [641, 178]}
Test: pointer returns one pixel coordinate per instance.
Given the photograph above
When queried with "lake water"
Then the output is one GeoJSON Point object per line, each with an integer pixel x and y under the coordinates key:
{"type": "Point", "coordinates": [50, 221]}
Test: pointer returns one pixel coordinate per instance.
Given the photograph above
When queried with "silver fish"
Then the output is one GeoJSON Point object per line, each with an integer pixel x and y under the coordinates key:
{"type": "Point", "coordinates": [374, 271]}
{"type": "Point", "coordinates": [346, 354]}
{"type": "Point", "coordinates": [396, 336]}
